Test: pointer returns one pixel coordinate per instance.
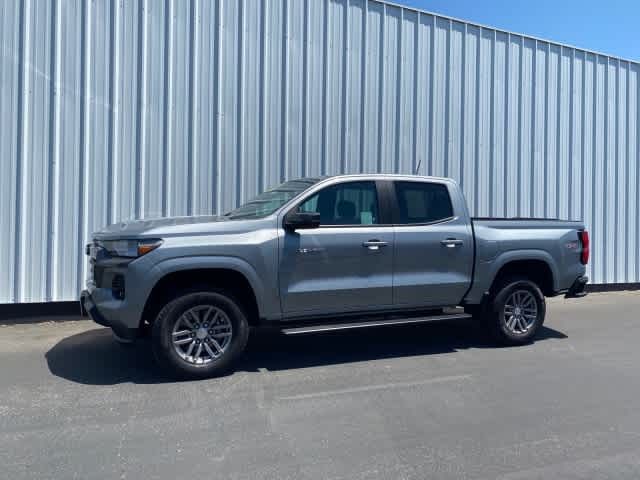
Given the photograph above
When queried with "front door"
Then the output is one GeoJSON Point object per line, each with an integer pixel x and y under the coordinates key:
{"type": "Point", "coordinates": [346, 264]}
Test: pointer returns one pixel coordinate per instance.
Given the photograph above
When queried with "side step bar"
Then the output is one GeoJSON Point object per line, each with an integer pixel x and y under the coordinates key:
{"type": "Point", "coordinates": [325, 327]}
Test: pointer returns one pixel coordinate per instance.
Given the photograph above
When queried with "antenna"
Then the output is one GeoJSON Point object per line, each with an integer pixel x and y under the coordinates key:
{"type": "Point", "coordinates": [417, 167]}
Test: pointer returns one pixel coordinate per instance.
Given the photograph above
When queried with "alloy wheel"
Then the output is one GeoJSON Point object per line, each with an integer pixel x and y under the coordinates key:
{"type": "Point", "coordinates": [520, 312]}
{"type": "Point", "coordinates": [202, 334]}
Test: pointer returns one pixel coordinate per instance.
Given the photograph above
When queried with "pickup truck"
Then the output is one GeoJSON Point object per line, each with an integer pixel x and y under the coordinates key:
{"type": "Point", "coordinates": [322, 254]}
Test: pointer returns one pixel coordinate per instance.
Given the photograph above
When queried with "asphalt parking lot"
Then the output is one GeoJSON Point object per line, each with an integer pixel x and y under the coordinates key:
{"type": "Point", "coordinates": [428, 401]}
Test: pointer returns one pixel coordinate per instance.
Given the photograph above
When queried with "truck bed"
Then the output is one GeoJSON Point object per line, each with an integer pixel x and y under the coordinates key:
{"type": "Point", "coordinates": [526, 223]}
{"type": "Point", "coordinates": [500, 240]}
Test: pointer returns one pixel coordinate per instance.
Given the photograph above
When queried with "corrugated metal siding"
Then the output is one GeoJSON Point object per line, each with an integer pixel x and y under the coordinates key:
{"type": "Point", "coordinates": [113, 110]}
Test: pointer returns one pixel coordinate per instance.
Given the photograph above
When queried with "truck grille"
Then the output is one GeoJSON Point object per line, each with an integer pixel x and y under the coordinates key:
{"type": "Point", "coordinates": [97, 274]}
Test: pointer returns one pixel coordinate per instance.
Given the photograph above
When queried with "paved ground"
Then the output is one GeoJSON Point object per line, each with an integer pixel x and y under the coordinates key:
{"type": "Point", "coordinates": [430, 401]}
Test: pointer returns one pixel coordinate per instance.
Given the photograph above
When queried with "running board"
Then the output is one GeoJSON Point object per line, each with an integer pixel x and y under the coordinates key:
{"type": "Point", "coordinates": [371, 323]}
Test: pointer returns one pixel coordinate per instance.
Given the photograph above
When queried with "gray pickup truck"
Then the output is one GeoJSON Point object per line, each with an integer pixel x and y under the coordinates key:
{"type": "Point", "coordinates": [330, 253]}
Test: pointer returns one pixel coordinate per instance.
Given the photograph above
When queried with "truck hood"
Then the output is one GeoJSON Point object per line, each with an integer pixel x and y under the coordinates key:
{"type": "Point", "coordinates": [176, 226]}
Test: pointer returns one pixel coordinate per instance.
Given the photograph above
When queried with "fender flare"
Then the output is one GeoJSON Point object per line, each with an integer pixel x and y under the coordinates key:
{"type": "Point", "coordinates": [518, 255]}
{"type": "Point", "coordinates": [180, 264]}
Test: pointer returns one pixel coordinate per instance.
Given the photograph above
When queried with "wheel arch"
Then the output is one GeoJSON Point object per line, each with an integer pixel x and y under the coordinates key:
{"type": "Point", "coordinates": [536, 266]}
{"type": "Point", "coordinates": [180, 274]}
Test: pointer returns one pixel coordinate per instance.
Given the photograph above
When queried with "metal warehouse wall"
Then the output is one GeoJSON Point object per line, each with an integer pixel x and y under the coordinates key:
{"type": "Point", "coordinates": [114, 110]}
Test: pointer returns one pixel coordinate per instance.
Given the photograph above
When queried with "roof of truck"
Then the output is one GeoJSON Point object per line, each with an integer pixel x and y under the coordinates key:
{"type": "Point", "coordinates": [381, 176]}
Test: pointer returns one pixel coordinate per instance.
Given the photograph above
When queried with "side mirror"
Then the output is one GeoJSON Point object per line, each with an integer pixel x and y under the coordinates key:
{"type": "Point", "coordinates": [301, 220]}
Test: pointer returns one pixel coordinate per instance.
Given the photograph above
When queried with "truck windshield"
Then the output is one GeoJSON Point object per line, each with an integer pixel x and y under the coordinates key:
{"type": "Point", "coordinates": [269, 201]}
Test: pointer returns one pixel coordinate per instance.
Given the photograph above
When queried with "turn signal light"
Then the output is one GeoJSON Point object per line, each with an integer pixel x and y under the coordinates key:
{"type": "Point", "coordinates": [145, 247]}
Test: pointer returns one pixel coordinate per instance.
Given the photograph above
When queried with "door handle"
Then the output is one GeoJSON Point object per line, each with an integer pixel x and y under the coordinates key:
{"type": "Point", "coordinates": [451, 242]}
{"type": "Point", "coordinates": [374, 244]}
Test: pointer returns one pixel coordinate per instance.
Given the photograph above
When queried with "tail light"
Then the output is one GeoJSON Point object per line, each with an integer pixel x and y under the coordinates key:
{"type": "Point", "coordinates": [584, 240]}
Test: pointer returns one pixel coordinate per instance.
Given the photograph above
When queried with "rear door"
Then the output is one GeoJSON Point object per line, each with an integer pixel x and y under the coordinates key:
{"type": "Point", "coordinates": [345, 265]}
{"type": "Point", "coordinates": [433, 248]}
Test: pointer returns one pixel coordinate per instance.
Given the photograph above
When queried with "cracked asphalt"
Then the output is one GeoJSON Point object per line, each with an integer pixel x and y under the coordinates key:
{"type": "Point", "coordinates": [423, 401]}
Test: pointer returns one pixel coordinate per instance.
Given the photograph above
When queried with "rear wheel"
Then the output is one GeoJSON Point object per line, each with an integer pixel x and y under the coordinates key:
{"type": "Point", "coordinates": [200, 334]}
{"type": "Point", "coordinates": [516, 311]}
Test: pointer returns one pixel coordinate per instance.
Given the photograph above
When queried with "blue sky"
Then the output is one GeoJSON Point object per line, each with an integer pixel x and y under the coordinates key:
{"type": "Point", "coordinates": [611, 26]}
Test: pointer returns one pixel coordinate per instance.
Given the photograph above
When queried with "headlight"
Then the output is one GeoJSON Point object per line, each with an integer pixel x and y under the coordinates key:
{"type": "Point", "coordinates": [130, 248]}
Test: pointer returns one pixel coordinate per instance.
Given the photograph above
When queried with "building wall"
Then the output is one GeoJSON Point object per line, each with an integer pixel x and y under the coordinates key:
{"type": "Point", "coordinates": [113, 110]}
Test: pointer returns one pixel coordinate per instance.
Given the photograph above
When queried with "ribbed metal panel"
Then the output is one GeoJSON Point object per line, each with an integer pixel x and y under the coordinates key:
{"type": "Point", "coordinates": [114, 110]}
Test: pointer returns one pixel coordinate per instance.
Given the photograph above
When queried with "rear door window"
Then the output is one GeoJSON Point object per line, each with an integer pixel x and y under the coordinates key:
{"type": "Point", "coordinates": [422, 202]}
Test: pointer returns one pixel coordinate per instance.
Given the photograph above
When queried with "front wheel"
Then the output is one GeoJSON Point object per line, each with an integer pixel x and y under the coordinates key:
{"type": "Point", "coordinates": [199, 335]}
{"type": "Point", "coordinates": [516, 311]}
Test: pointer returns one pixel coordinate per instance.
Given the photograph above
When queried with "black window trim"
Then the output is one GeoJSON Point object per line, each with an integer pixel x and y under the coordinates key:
{"type": "Point", "coordinates": [395, 208]}
{"type": "Point", "coordinates": [382, 197]}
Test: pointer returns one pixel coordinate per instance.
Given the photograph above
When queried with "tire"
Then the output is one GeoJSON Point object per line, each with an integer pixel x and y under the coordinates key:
{"type": "Point", "coordinates": [515, 311]}
{"type": "Point", "coordinates": [218, 325]}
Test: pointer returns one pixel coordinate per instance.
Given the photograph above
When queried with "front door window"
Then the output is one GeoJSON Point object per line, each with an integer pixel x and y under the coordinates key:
{"type": "Point", "coordinates": [352, 203]}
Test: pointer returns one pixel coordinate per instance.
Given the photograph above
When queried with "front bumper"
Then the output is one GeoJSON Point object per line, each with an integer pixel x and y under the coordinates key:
{"type": "Point", "coordinates": [89, 306]}
{"type": "Point", "coordinates": [577, 290]}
